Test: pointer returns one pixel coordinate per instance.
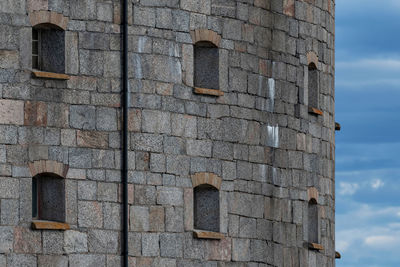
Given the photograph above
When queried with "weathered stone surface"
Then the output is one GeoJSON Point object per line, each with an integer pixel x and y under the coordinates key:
{"type": "Point", "coordinates": [82, 117]}
{"type": "Point", "coordinates": [178, 165]}
{"type": "Point", "coordinates": [91, 139]}
{"type": "Point", "coordinates": [9, 212]}
{"type": "Point", "coordinates": [107, 192]}
{"type": "Point", "coordinates": [106, 119]}
{"type": "Point", "coordinates": [71, 53]}
{"type": "Point", "coordinates": [90, 214]}
{"type": "Point", "coordinates": [75, 242]}
{"type": "Point", "coordinates": [9, 59]}
{"type": "Point", "coordinates": [103, 159]}
{"type": "Point", "coordinates": [219, 250]}
{"type": "Point", "coordinates": [171, 245]}
{"type": "Point", "coordinates": [9, 40]}
{"type": "Point", "coordinates": [103, 241]}
{"type": "Point", "coordinates": [50, 261]}
{"type": "Point", "coordinates": [139, 218]}
{"type": "Point", "coordinates": [145, 195]}
{"type": "Point", "coordinates": [87, 260]}
{"type": "Point", "coordinates": [156, 219]}
{"type": "Point", "coordinates": [27, 241]}
{"type": "Point", "coordinates": [83, 10]}
{"type": "Point", "coordinates": [191, 5]}
{"type": "Point", "coordinates": [147, 142]}
{"type": "Point", "coordinates": [8, 134]}
{"type": "Point", "coordinates": [7, 237]}
{"type": "Point", "coordinates": [161, 68]}
{"type": "Point", "coordinates": [240, 249]}
{"type": "Point", "coordinates": [112, 215]}
{"type": "Point", "coordinates": [91, 62]}
{"type": "Point", "coordinates": [135, 244]}
{"type": "Point", "coordinates": [156, 121]}
{"type": "Point", "coordinates": [169, 196]}
{"type": "Point", "coordinates": [11, 112]}
{"type": "Point", "coordinates": [198, 148]}
{"type": "Point", "coordinates": [174, 219]}
{"type": "Point", "coordinates": [150, 244]}
{"type": "Point", "coordinates": [53, 242]}
{"type": "Point", "coordinates": [255, 134]}
{"type": "Point", "coordinates": [17, 260]}
{"type": "Point", "coordinates": [184, 125]}
{"type": "Point", "coordinates": [3, 260]}
{"type": "Point", "coordinates": [57, 115]}
{"type": "Point", "coordinates": [157, 163]}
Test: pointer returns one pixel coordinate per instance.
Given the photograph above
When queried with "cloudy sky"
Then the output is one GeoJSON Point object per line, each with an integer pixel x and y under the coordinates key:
{"type": "Point", "coordinates": [368, 146]}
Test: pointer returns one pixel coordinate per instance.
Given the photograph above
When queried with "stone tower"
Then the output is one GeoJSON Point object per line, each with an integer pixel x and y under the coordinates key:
{"type": "Point", "coordinates": [231, 141]}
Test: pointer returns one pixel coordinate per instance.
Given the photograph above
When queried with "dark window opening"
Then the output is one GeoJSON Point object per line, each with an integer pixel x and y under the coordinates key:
{"type": "Point", "coordinates": [313, 224]}
{"type": "Point", "coordinates": [313, 90]}
{"type": "Point", "coordinates": [48, 49]}
{"type": "Point", "coordinates": [206, 208]}
{"type": "Point", "coordinates": [206, 65]}
{"type": "Point", "coordinates": [48, 197]}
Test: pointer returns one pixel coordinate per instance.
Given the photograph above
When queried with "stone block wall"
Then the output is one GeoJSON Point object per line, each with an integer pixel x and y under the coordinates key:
{"type": "Point", "coordinates": [258, 137]}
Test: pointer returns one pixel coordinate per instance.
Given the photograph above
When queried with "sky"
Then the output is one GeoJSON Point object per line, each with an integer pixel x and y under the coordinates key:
{"type": "Point", "coordinates": [367, 105]}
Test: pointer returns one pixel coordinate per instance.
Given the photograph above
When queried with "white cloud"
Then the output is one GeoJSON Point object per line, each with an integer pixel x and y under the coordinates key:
{"type": "Point", "coordinates": [367, 73]}
{"type": "Point", "coordinates": [364, 229]}
{"type": "Point", "coordinates": [381, 240]}
{"type": "Point", "coordinates": [348, 189]}
{"type": "Point", "coordinates": [391, 64]}
{"type": "Point", "coordinates": [342, 245]}
{"type": "Point", "coordinates": [377, 183]}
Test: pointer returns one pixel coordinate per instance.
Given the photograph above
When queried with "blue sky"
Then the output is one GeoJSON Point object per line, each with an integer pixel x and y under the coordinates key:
{"type": "Point", "coordinates": [368, 146]}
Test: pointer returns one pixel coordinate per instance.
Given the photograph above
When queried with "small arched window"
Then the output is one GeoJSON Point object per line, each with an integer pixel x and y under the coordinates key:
{"type": "Point", "coordinates": [206, 65]}
{"type": "Point", "coordinates": [48, 197]}
{"type": "Point", "coordinates": [206, 208]}
{"type": "Point", "coordinates": [313, 86]}
{"type": "Point", "coordinates": [48, 48]}
{"type": "Point", "coordinates": [313, 221]}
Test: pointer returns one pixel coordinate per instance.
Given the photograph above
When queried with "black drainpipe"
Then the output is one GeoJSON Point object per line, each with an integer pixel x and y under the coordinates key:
{"type": "Point", "coordinates": [125, 145]}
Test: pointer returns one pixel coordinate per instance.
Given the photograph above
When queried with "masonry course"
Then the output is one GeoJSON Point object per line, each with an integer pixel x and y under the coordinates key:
{"type": "Point", "coordinates": [258, 137]}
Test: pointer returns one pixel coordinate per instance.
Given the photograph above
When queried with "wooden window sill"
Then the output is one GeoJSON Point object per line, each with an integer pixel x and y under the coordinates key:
{"type": "Point", "coordinates": [315, 246]}
{"type": "Point", "coordinates": [315, 111]}
{"type": "Point", "coordinates": [207, 234]}
{"type": "Point", "coordinates": [49, 225]}
{"type": "Point", "coordinates": [205, 91]}
{"type": "Point", "coordinates": [50, 75]}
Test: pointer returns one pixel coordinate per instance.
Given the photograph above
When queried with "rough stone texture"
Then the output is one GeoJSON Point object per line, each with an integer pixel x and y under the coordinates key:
{"type": "Point", "coordinates": [11, 112]}
{"type": "Point", "coordinates": [84, 260]}
{"type": "Point", "coordinates": [150, 245]}
{"type": "Point", "coordinates": [7, 237]}
{"type": "Point", "coordinates": [9, 212]}
{"type": "Point", "coordinates": [75, 242]}
{"type": "Point", "coordinates": [53, 242]}
{"type": "Point", "coordinates": [90, 214]}
{"type": "Point", "coordinates": [27, 241]}
{"type": "Point", "coordinates": [16, 260]}
{"type": "Point", "coordinates": [50, 261]}
{"type": "Point", "coordinates": [171, 245]}
{"type": "Point", "coordinates": [103, 241]}
{"type": "Point", "coordinates": [258, 137]}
